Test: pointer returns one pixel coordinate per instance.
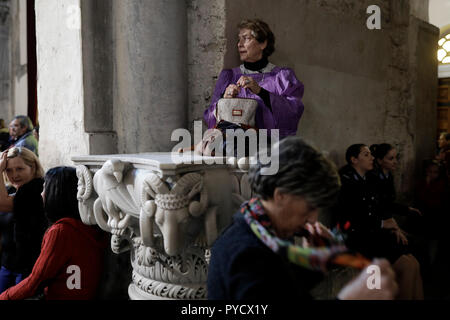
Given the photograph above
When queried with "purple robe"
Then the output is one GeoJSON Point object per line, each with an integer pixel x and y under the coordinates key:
{"type": "Point", "coordinates": [285, 92]}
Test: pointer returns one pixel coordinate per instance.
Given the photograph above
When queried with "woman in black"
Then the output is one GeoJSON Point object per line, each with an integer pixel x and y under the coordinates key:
{"type": "Point", "coordinates": [368, 226]}
{"type": "Point", "coordinates": [22, 219]}
{"type": "Point", "coordinates": [385, 164]}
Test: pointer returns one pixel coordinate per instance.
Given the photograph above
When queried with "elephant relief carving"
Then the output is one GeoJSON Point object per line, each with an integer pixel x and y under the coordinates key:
{"type": "Point", "coordinates": [175, 212]}
{"type": "Point", "coordinates": [84, 195]}
{"type": "Point", "coordinates": [114, 207]}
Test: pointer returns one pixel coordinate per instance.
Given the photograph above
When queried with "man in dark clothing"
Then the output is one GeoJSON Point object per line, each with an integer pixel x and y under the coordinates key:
{"type": "Point", "coordinates": [21, 134]}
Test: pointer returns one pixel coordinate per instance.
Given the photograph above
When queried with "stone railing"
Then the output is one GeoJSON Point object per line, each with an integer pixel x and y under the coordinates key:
{"type": "Point", "coordinates": [167, 212]}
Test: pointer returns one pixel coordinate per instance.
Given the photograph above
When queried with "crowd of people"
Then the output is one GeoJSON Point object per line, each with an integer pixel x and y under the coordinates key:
{"type": "Point", "coordinates": [275, 247]}
{"type": "Point", "coordinates": [43, 240]}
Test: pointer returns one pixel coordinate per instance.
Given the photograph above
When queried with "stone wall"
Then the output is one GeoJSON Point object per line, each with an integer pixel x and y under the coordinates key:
{"type": "Point", "coordinates": [206, 53]}
{"type": "Point", "coordinates": [5, 59]}
{"type": "Point", "coordinates": [144, 75]}
{"type": "Point", "coordinates": [13, 59]}
{"type": "Point", "coordinates": [358, 82]}
{"type": "Point", "coordinates": [150, 73]}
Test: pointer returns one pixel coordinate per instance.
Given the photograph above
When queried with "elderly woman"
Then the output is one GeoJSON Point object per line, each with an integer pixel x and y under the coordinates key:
{"type": "Point", "coordinates": [256, 258]}
{"type": "Point", "coordinates": [70, 264]}
{"type": "Point", "coordinates": [276, 89]}
{"type": "Point", "coordinates": [22, 219]}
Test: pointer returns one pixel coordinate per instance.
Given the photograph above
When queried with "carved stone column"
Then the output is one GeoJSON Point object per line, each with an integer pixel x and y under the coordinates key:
{"type": "Point", "coordinates": [168, 214]}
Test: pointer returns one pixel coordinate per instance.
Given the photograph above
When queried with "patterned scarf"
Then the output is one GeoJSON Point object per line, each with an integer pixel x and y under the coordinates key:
{"type": "Point", "coordinates": [320, 258]}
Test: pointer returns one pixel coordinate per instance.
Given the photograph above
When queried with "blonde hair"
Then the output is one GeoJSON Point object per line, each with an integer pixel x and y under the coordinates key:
{"type": "Point", "coordinates": [29, 158]}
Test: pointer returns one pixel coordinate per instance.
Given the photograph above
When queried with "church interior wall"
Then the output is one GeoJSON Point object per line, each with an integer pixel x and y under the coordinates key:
{"type": "Point", "coordinates": [358, 82]}
{"type": "Point", "coordinates": [144, 77]}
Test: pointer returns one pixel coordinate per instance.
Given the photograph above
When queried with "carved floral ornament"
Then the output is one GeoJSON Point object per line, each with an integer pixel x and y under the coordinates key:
{"type": "Point", "coordinates": [167, 223]}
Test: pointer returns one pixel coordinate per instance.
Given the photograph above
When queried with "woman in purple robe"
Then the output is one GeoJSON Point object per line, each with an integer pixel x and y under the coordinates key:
{"type": "Point", "coordinates": [278, 91]}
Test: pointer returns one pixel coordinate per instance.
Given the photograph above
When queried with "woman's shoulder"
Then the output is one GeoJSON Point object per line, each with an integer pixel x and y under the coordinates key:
{"type": "Point", "coordinates": [36, 185]}
{"type": "Point", "coordinates": [283, 74]}
{"type": "Point", "coordinates": [28, 196]}
{"type": "Point", "coordinates": [229, 72]}
{"type": "Point", "coordinates": [237, 236]}
{"type": "Point", "coordinates": [346, 172]}
{"type": "Point", "coordinates": [68, 223]}
{"type": "Point", "coordinates": [375, 174]}
{"type": "Point", "coordinates": [283, 70]}
{"type": "Point", "coordinates": [63, 228]}
{"type": "Point", "coordinates": [226, 76]}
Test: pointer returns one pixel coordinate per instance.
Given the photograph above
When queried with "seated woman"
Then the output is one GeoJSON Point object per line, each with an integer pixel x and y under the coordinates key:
{"type": "Point", "coordinates": [385, 163]}
{"type": "Point", "coordinates": [368, 227]}
{"type": "Point", "coordinates": [256, 258]}
{"type": "Point", "coordinates": [22, 219]}
{"type": "Point", "coordinates": [70, 264]}
{"type": "Point", "coordinates": [277, 90]}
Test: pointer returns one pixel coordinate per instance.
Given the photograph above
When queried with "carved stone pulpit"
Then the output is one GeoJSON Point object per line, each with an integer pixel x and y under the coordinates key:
{"type": "Point", "coordinates": [167, 210]}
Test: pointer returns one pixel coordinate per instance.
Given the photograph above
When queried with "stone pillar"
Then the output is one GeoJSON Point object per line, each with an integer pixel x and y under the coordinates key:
{"type": "Point", "coordinates": [150, 87]}
{"type": "Point", "coordinates": [13, 59]}
{"type": "Point", "coordinates": [60, 82]}
{"type": "Point", "coordinates": [166, 213]}
{"type": "Point", "coordinates": [19, 59]}
{"type": "Point", "coordinates": [98, 75]}
{"type": "Point", "coordinates": [112, 76]}
{"type": "Point", "coordinates": [5, 59]}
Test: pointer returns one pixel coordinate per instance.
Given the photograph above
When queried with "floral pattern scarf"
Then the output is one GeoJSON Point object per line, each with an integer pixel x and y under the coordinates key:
{"type": "Point", "coordinates": [320, 258]}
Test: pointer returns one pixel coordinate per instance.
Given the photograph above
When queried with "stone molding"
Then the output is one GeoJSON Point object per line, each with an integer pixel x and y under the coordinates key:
{"type": "Point", "coordinates": [166, 213]}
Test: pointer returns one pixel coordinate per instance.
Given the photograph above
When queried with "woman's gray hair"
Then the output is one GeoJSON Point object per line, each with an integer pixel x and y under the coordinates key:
{"type": "Point", "coordinates": [303, 171]}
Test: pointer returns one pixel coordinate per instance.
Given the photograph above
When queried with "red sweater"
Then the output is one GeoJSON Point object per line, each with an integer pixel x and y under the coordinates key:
{"type": "Point", "coordinates": [66, 244]}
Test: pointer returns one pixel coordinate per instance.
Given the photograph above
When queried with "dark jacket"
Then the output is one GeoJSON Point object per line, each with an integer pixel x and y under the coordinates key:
{"type": "Point", "coordinates": [243, 268]}
{"type": "Point", "coordinates": [22, 230]}
{"type": "Point", "coordinates": [360, 206]}
{"type": "Point", "coordinates": [386, 189]}
{"type": "Point", "coordinates": [359, 202]}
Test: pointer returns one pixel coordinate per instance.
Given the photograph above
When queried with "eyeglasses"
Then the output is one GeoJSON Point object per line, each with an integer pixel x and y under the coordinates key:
{"type": "Point", "coordinates": [245, 38]}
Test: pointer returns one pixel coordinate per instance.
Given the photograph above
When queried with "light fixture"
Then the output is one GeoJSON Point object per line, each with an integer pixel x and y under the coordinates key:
{"type": "Point", "coordinates": [443, 53]}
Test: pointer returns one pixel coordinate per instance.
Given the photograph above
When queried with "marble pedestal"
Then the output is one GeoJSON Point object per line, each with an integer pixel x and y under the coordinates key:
{"type": "Point", "coordinates": [166, 209]}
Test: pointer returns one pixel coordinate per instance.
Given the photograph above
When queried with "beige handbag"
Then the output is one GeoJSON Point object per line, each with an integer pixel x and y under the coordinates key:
{"type": "Point", "coordinates": [237, 110]}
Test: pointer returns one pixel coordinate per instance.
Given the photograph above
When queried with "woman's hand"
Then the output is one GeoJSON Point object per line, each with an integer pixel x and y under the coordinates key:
{"type": "Point", "coordinates": [3, 161]}
{"type": "Point", "coordinates": [249, 83]}
{"type": "Point", "coordinates": [401, 236]}
{"type": "Point", "coordinates": [389, 224]}
{"type": "Point", "coordinates": [317, 234]}
{"type": "Point", "coordinates": [415, 211]}
{"type": "Point", "coordinates": [231, 91]}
